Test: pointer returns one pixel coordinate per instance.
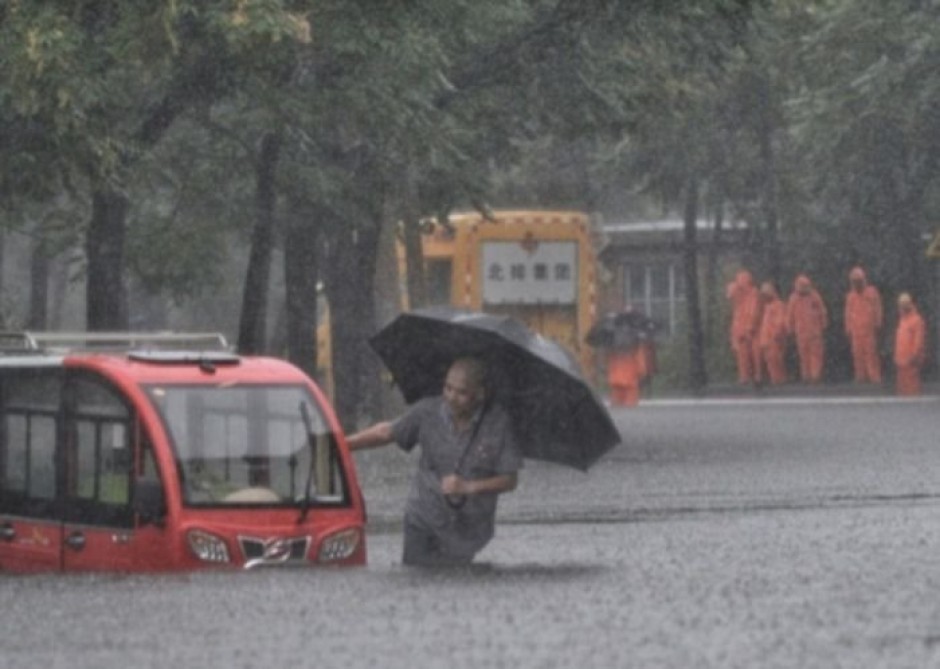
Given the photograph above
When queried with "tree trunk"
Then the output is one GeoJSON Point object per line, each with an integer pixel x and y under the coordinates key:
{"type": "Point", "coordinates": [389, 300]}
{"type": "Point", "coordinates": [301, 273]}
{"type": "Point", "coordinates": [712, 292]}
{"type": "Point", "coordinates": [3, 259]}
{"type": "Point", "coordinates": [414, 265]}
{"type": "Point", "coordinates": [350, 270]}
{"type": "Point", "coordinates": [39, 269]}
{"type": "Point", "coordinates": [769, 205]}
{"type": "Point", "coordinates": [698, 377]}
{"type": "Point", "coordinates": [370, 370]}
{"type": "Point", "coordinates": [414, 256]}
{"type": "Point", "coordinates": [106, 294]}
{"type": "Point", "coordinates": [253, 322]}
{"type": "Point", "coordinates": [58, 292]}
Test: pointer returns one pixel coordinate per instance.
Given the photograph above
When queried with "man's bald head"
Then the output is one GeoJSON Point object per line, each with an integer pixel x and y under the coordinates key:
{"type": "Point", "coordinates": [465, 386]}
{"type": "Point", "coordinates": [474, 369]}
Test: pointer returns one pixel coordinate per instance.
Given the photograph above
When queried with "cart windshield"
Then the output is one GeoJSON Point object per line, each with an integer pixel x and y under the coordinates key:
{"type": "Point", "coordinates": [250, 445]}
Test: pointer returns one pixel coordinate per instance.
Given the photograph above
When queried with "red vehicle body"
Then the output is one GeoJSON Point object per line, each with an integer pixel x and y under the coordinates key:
{"type": "Point", "coordinates": [161, 458]}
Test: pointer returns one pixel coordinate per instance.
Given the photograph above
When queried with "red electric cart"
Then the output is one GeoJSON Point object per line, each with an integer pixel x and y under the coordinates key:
{"type": "Point", "coordinates": [155, 452]}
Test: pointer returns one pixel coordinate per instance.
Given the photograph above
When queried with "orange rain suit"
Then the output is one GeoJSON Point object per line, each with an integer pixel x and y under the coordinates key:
{"type": "Point", "coordinates": [772, 337]}
{"type": "Point", "coordinates": [909, 351]}
{"type": "Point", "coordinates": [807, 320]}
{"type": "Point", "coordinates": [745, 321]}
{"type": "Point", "coordinates": [863, 320]}
{"type": "Point", "coordinates": [625, 370]}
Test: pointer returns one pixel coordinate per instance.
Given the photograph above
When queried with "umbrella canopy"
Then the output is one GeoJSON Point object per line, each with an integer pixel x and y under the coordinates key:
{"type": "Point", "coordinates": [621, 330]}
{"type": "Point", "coordinates": [555, 413]}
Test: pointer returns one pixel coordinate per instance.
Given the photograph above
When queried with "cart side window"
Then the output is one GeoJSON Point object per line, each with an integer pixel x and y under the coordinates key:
{"type": "Point", "coordinates": [29, 406]}
{"type": "Point", "coordinates": [250, 445]}
{"type": "Point", "coordinates": [99, 453]}
{"type": "Point", "coordinates": [102, 445]}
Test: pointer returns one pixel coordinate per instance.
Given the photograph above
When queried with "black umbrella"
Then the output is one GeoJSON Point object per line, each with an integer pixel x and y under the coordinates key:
{"type": "Point", "coordinates": [621, 330]}
{"type": "Point", "coordinates": [556, 415]}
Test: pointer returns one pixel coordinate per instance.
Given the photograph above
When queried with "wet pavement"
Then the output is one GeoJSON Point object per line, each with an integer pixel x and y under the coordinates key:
{"type": "Point", "coordinates": [730, 532]}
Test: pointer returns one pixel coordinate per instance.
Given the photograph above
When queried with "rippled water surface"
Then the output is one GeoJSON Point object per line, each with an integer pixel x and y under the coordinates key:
{"type": "Point", "coordinates": [715, 537]}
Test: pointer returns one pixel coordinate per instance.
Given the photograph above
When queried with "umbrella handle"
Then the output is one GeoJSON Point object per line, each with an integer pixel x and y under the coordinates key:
{"type": "Point", "coordinates": [455, 501]}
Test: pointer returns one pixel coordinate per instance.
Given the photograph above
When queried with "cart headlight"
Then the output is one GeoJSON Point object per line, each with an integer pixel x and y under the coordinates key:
{"type": "Point", "coordinates": [339, 546]}
{"type": "Point", "coordinates": [207, 547]}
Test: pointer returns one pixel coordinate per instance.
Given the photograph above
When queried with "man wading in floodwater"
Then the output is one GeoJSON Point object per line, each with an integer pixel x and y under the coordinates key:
{"type": "Point", "coordinates": [468, 457]}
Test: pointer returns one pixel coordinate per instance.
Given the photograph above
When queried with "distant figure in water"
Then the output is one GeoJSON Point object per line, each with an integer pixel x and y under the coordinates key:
{"type": "Point", "coordinates": [807, 320]}
{"type": "Point", "coordinates": [772, 336]}
{"type": "Point", "coordinates": [909, 346]}
{"type": "Point", "coordinates": [863, 321]}
{"type": "Point", "coordinates": [745, 322]}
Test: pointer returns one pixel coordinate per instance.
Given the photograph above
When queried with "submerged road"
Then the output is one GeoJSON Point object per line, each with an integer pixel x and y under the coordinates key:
{"type": "Point", "coordinates": [781, 532]}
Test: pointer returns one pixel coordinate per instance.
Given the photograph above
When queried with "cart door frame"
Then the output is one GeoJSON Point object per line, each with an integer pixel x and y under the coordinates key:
{"type": "Point", "coordinates": [30, 520]}
{"type": "Point", "coordinates": [105, 451]}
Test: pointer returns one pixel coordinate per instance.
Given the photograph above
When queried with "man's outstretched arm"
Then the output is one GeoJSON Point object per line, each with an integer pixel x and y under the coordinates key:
{"type": "Point", "coordinates": [379, 434]}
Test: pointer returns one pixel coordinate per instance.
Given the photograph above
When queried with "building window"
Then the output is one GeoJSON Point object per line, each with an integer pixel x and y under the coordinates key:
{"type": "Point", "coordinates": [658, 290]}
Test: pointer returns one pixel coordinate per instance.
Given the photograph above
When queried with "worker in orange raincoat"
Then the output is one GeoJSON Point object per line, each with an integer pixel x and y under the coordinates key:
{"type": "Point", "coordinates": [807, 320]}
{"type": "Point", "coordinates": [909, 346]}
{"type": "Point", "coordinates": [627, 339]}
{"type": "Point", "coordinates": [745, 321]}
{"type": "Point", "coordinates": [772, 336]}
{"type": "Point", "coordinates": [863, 321]}
{"type": "Point", "coordinates": [626, 369]}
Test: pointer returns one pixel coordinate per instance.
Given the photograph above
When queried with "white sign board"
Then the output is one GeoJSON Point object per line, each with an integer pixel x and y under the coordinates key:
{"type": "Point", "coordinates": [530, 273]}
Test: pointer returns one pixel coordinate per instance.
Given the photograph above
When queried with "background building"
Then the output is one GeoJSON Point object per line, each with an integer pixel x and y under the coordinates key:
{"type": "Point", "coordinates": [644, 260]}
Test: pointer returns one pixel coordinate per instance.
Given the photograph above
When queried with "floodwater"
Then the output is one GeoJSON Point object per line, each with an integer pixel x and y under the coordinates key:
{"type": "Point", "coordinates": [719, 535]}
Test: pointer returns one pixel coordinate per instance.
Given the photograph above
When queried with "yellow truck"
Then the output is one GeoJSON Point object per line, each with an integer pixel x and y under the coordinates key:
{"type": "Point", "coordinates": [539, 266]}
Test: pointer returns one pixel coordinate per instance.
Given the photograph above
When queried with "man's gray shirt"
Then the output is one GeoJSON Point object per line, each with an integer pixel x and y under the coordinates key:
{"type": "Point", "coordinates": [494, 452]}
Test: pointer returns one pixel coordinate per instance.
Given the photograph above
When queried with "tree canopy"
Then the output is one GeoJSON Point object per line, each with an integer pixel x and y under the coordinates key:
{"type": "Point", "coordinates": [172, 143]}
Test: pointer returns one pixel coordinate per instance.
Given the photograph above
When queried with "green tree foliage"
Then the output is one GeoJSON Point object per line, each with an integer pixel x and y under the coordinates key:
{"type": "Point", "coordinates": [408, 107]}
{"type": "Point", "coordinates": [867, 124]}
{"type": "Point", "coordinates": [102, 81]}
{"type": "Point", "coordinates": [153, 124]}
